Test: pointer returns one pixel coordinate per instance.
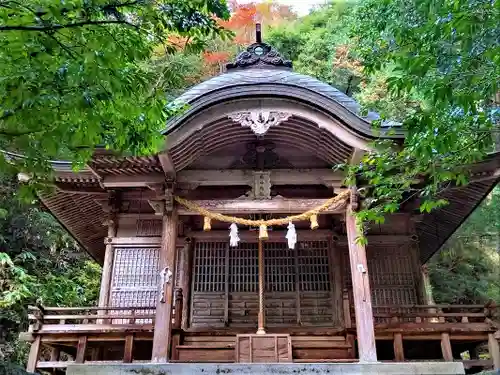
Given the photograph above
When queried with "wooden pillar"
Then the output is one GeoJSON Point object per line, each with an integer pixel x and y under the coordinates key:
{"type": "Point", "coordinates": [128, 349]}
{"type": "Point", "coordinates": [261, 318]}
{"type": "Point", "coordinates": [361, 292]}
{"type": "Point", "coordinates": [186, 282]}
{"type": "Point", "coordinates": [107, 267]}
{"type": "Point", "coordinates": [163, 318]}
{"type": "Point", "coordinates": [426, 285]}
{"type": "Point", "coordinates": [55, 354]}
{"type": "Point", "coordinates": [399, 354]}
{"type": "Point", "coordinates": [494, 349]}
{"type": "Point", "coordinates": [446, 347]}
{"type": "Point", "coordinates": [81, 348]}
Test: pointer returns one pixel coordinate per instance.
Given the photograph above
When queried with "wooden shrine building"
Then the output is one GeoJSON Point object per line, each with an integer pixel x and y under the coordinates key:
{"type": "Point", "coordinates": [256, 143]}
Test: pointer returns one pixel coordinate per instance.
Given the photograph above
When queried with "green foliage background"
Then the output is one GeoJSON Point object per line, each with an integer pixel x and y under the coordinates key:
{"type": "Point", "coordinates": [39, 263]}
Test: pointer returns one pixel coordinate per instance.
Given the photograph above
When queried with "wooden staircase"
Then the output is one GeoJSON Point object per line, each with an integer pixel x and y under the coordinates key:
{"type": "Point", "coordinates": [304, 349]}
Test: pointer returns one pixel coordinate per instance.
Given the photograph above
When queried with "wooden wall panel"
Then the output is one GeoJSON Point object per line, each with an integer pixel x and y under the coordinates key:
{"type": "Point", "coordinates": [207, 309]}
{"type": "Point", "coordinates": [243, 309]}
{"type": "Point", "coordinates": [139, 227]}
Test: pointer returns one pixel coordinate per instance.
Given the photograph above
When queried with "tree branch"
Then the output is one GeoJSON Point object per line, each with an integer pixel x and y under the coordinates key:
{"type": "Point", "coordinates": [8, 133]}
{"type": "Point", "coordinates": [65, 26]}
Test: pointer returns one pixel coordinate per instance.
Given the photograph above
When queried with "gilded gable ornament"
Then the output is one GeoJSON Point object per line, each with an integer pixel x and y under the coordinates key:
{"type": "Point", "coordinates": [259, 121]}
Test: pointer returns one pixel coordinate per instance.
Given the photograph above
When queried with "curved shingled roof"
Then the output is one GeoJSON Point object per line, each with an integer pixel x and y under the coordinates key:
{"type": "Point", "coordinates": [250, 71]}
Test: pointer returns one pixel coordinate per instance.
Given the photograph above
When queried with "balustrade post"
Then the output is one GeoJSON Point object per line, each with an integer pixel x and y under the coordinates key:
{"type": "Point", "coordinates": [33, 356]}
{"type": "Point", "coordinates": [347, 309]}
{"type": "Point", "coordinates": [494, 349]}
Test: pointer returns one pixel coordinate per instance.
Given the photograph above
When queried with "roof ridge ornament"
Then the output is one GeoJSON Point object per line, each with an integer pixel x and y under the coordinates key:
{"type": "Point", "coordinates": [259, 55]}
{"type": "Point", "coordinates": [259, 121]}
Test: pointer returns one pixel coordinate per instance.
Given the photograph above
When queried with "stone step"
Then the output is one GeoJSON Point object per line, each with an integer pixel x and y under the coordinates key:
{"type": "Point", "coordinates": [422, 368]}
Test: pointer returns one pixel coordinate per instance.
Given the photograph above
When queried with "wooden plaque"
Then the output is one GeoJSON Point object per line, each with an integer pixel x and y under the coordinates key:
{"type": "Point", "coordinates": [270, 348]}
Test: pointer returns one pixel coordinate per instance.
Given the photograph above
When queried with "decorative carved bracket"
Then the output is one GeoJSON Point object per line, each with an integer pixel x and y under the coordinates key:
{"type": "Point", "coordinates": [162, 206]}
{"type": "Point", "coordinates": [111, 204]}
{"type": "Point", "coordinates": [259, 121]}
{"type": "Point", "coordinates": [158, 206]}
{"type": "Point", "coordinates": [169, 197]}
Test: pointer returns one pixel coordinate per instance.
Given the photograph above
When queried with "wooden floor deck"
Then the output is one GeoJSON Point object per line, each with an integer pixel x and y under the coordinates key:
{"type": "Point", "coordinates": [62, 336]}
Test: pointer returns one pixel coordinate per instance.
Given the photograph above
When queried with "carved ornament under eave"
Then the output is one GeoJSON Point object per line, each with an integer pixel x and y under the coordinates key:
{"type": "Point", "coordinates": [259, 55]}
{"type": "Point", "coordinates": [259, 121]}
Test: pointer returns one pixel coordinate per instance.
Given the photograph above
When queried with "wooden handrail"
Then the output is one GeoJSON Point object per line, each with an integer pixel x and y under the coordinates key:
{"type": "Point", "coordinates": [437, 314]}
{"type": "Point", "coordinates": [107, 308]}
{"type": "Point", "coordinates": [443, 306]}
{"type": "Point", "coordinates": [92, 317]}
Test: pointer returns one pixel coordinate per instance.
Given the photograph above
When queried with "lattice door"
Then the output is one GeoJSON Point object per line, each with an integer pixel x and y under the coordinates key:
{"type": "Point", "coordinates": [315, 287]}
{"type": "Point", "coordinates": [393, 279]}
{"type": "Point", "coordinates": [135, 281]}
{"type": "Point", "coordinates": [297, 285]}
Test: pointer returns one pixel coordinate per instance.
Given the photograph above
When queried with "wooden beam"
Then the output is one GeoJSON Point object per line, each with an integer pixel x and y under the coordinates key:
{"type": "Point", "coordinates": [494, 349]}
{"type": "Point", "coordinates": [135, 241]}
{"type": "Point", "coordinates": [167, 164]}
{"type": "Point", "coordinates": [326, 177]}
{"type": "Point", "coordinates": [138, 180]}
{"type": "Point", "coordinates": [446, 347]}
{"type": "Point", "coordinates": [254, 206]}
{"type": "Point", "coordinates": [252, 236]}
{"type": "Point", "coordinates": [361, 292]}
{"type": "Point", "coordinates": [356, 156]}
{"type": "Point", "coordinates": [163, 321]}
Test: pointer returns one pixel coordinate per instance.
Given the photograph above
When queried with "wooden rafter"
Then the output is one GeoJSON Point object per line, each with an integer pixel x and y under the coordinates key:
{"type": "Point", "coordinates": [245, 177]}
{"type": "Point", "coordinates": [167, 164]}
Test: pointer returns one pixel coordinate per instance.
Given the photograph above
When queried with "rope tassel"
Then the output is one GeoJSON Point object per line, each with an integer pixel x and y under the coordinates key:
{"type": "Point", "coordinates": [291, 235]}
{"type": "Point", "coordinates": [314, 221]}
{"type": "Point", "coordinates": [263, 232]}
{"type": "Point", "coordinates": [234, 239]}
{"type": "Point", "coordinates": [207, 226]}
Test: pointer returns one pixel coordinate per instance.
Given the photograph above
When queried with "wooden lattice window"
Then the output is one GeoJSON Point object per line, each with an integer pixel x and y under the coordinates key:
{"type": "Point", "coordinates": [134, 281]}
{"type": "Point", "coordinates": [209, 266]}
{"type": "Point", "coordinates": [393, 280]}
{"type": "Point", "coordinates": [314, 273]}
{"type": "Point", "coordinates": [279, 268]}
{"type": "Point", "coordinates": [244, 268]}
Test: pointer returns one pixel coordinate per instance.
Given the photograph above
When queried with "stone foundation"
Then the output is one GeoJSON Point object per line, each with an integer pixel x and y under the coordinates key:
{"type": "Point", "coordinates": [409, 368]}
